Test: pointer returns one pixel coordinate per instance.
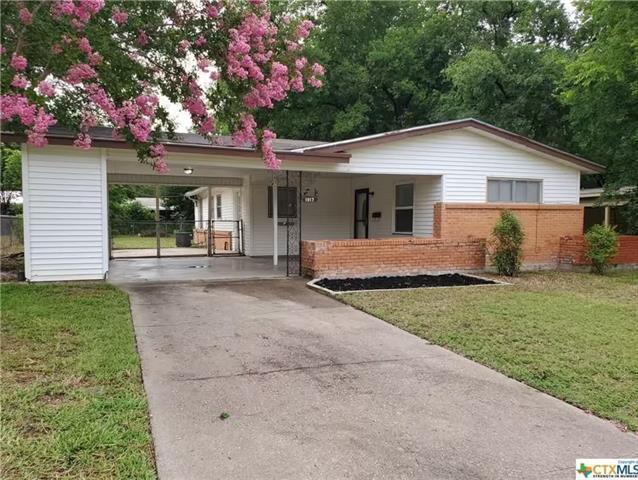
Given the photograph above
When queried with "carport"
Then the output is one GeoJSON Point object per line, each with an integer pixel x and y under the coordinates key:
{"type": "Point", "coordinates": [193, 269]}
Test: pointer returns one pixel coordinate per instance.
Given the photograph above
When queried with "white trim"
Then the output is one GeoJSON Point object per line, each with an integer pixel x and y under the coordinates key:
{"type": "Point", "coordinates": [275, 222]}
{"type": "Point", "coordinates": [26, 215]}
{"type": "Point", "coordinates": [106, 247]}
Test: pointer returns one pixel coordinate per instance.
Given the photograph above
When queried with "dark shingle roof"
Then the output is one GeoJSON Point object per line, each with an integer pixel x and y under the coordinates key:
{"type": "Point", "coordinates": [188, 139]}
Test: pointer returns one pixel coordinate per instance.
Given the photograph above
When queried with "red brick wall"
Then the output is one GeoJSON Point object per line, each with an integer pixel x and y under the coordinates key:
{"type": "Point", "coordinates": [393, 256]}
{"type": "Point", "coordinates": [544, 225]}
{"type": "Point", "coordinates": [572, 250]}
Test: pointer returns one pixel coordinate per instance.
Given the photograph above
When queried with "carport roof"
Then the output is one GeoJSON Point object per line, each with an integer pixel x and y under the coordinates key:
{"type": "Point", "coordinates": [286, 149]}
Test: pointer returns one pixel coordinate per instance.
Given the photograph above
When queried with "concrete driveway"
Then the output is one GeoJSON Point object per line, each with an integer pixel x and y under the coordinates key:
{"type": "Point", "coordinates": [316, 389]}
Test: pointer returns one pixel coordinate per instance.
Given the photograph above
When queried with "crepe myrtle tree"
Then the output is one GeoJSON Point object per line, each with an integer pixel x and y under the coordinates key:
{"type": "Point", "coordinates": [80, 63]}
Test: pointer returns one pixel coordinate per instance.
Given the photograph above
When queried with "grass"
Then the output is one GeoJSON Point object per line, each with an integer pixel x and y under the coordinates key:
{"type": "Point", "coordinates": [133, 241]}
{"type": "Point", "coordinates": [73, 404]}
{"type": "Point", "coordinates": [571, 335]}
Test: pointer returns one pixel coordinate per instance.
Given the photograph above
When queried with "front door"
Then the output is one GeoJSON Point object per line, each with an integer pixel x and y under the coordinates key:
{"type": "Point", "coordinates": [361, 210]}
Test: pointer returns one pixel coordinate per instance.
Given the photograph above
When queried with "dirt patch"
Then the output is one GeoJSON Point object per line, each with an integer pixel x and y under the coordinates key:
{"type": "Point", "coordinates": [395, 282]}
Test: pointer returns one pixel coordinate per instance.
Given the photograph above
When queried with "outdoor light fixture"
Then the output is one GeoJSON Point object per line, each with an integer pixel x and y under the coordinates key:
{"type": "Point", "coordinates": [188, 171]}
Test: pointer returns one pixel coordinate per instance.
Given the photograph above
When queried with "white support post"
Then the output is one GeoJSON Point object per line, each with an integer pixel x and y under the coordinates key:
{"type": "Point", "coordinates": [607, 215]}
{"type": "Point", "coordinates": [275, 226]}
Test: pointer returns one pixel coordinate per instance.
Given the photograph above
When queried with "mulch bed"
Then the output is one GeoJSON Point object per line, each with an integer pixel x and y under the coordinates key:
{"type": "Point", "coordinates": [393, 282]}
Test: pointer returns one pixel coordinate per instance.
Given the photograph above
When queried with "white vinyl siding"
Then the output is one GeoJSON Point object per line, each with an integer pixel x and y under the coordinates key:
{"type": "Point", "coordinates": [65, 212]}
{"type": "Point", "coordinates": [331, 217]}
{"type": "Point", "coordinates": [427, 192]}
{"type": "Point", "coordinates": [466, 160]}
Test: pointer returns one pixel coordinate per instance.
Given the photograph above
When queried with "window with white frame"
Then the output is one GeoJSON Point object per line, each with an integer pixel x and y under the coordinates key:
{"type": "Point", "coordinates": [218, 206]}
{"type": "Point", "coordinates": [403, 208]}
{"type": "Point", "coordinates": [513, 191]}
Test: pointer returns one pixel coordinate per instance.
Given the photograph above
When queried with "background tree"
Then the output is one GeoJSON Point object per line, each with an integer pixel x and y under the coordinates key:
{"type": "Point", "coordinates": [10, 178]}
{"type": "Point", "coordinates": [601, 91]}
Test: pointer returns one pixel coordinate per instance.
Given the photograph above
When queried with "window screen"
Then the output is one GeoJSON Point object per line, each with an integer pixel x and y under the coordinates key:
{"type": "Point", "coordinates": [514, 191]}
{"type": "Point", "coordinates": [403, 208]}
{"type": "Point", "coordinates": [286, 202]}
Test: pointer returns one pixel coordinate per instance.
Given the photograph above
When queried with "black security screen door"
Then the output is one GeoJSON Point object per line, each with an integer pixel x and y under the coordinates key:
{"type": "Point", "coordinates": [361, 210]}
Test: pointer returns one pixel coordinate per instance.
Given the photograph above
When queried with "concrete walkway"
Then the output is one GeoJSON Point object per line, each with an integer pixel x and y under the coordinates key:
{"type": "Point", "coordinates": [316, 389]}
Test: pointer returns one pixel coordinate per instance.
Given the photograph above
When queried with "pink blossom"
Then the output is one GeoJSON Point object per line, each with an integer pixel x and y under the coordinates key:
{"type": "Point", "coordinates": [19, 81]}
{"type": "Point", "coordinates": [2, 50]}
{"type": "Point", "coordinates": [318, 69]}
{"type": "Point", "coordinates": [36, 135]}
{"type": "Point", "coordinates": [303, 30]}
{"type": "Point", "coordinates": [203, 64]}
{"type": "Point", "coordinates": [183, 45]}
{"type": "Point", "coordinates": [207, 126]}
{"type": "Point", "coordinates": [80, 72]}
{"type": "Point", "coordinates": [300, 63]}
{"type": "Point", "coordinates": [147, 104]}
{"type": "Point", "coordinates": [142, 38]}
{"type": "Point", "coordinates": [25, 16]}
{"type": "Point", "coordinates": [88, 121]}
{"type": "Point", "coordinates": [201, 41]}
{"type": "Point", "coordinates": [214, 75]}
{"type": "Point", "coordinates": [17, 105]}
{"type": "Point", "coordinates": [119, 16]}
{"type": "Point", "coordinates": [141, 129]}
{"type": "Point", "coordinates": [245, 135]}
{"type": "Point", "coordinates": [83, 141]}
{"type": "Point", "coordinates": [315, 82]}
{"type": "Point", "coordinates": [158, 153]}
{"type": "Point", "coordinates": [286, 19]}
{"type": "Point", "coordinates": [56, 49]}
{"type": "Point", "coordinates": [84, 45]}
{"type": "Point", "coordinates": [77, 24]}
{"type": "Point", "coordinates": [45, 88]}
{"type": "Point", "coordinates": [212, 11]}
{"type": "Point", "coordinates": [95, 59]}
{"type": "Point", "coordinates": [267, 151]}
{"type": "Point", "coordinates": [257, 3]}
{"type": "Point", "coordinates": [296, 84]}
{"type": "Point", "coordinates": [195, 106]}
{"type": "Point", "coordinates": [160, 166]}
{"type": "Point", "coordinates": [18, 62]}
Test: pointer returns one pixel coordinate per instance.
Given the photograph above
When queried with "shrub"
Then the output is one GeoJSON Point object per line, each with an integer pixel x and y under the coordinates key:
{"type": "Point", "coordinates": [507, 244]}
{"type": "Point", "coordinates": [602, 245]}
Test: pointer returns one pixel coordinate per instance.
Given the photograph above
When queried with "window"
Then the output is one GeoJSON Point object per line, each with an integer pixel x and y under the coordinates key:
{"type": "Point", "coordinates": [286, 202]}
{"type": "Point", "coordinates": [403, 208]}
{"type": "Point", "coordinates": [218, 206]}
{"type": "Point", "coordinates": [514, 191]}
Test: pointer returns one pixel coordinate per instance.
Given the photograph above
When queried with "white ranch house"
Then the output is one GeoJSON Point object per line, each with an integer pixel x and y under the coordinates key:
{"type": "Point", "coordinates": [377, 187]}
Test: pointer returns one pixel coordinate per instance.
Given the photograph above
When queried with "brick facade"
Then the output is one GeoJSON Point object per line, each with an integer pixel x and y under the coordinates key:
{"type": "Point", "coordinates": [409, 255]}
{"type": "Point", "coordinates": [544, 225]}
{"type": "Point", "coordinates": [460, 233]}
{"type": "Point", "coordinates": [572, 251]}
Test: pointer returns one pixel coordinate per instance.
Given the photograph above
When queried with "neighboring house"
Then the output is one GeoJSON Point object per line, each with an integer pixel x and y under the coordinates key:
{"type": "Point", "coordinates": [424, 197]}
{"type": "Point", "coordinates": [600, 211]}
{"type": "Point", "coordinates": [150, 203]}
{"type": "Point", "coordinates": [224, 226]}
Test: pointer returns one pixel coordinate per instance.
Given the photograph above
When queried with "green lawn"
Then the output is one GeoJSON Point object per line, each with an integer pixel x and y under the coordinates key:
{"type": "Point", "coordinates": [133, 241]}
{"type": "Point", "coordinates": [73, 405]}
{"type": "Point", "coordinates": [572, 335]}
